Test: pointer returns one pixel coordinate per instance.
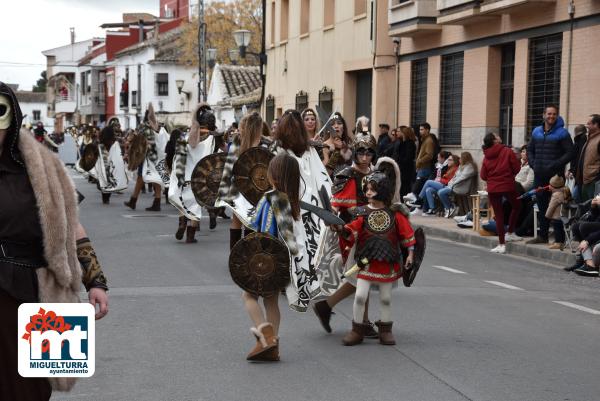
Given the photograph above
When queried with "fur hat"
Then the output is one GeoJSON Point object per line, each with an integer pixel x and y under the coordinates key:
{"type": "Point", "coordinates": [557, 182]}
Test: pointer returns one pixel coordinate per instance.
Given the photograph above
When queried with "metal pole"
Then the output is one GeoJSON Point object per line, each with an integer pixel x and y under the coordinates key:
{"type": "Point", "coordinates": [263, 55]}
{"type": "Point", "coordinates": [201, 52]}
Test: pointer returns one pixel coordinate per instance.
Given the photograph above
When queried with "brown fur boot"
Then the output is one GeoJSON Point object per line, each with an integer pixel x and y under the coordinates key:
{"type": "Point", "coordinates": [191, 232]}
{"type": "Point", "coordinates": [181, 227]}
{"type": "Point", "coordinates": [355, 336]}
{"type": "Point", "coordinates": [266, 348]}
{"type": "Point", "coordinates": [385, 333]}
{"type": "Point", "coordinates": [131, 203]}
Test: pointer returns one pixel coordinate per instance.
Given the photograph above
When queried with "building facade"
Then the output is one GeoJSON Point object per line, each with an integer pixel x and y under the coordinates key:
{"type": "Point", "coordinates": [333, 53]}
{"type": "Point", "coordinates": [34, 108]}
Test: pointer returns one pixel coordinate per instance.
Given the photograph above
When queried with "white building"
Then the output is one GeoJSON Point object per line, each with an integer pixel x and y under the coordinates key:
{"type": "Point", "coordinates": [149, 72]}
{"type": "Point", "coordinates": [34, 108]}
{"type": "Point", "coordinates": [64, 80]}
{"type": "Point", "coordinates": [231, 88]}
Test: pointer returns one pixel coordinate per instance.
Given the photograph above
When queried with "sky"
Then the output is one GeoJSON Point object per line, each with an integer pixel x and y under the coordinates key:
{"type": "Point", "coordinates": [38, 25]}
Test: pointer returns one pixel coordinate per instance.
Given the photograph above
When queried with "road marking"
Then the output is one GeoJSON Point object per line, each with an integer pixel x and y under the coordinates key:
{"type": "Point", "coordinates": [449, 269]}
{"type": "Point", "coordinates": [578, 307]}
{"type": "Point", "coordinates": [504, 285]}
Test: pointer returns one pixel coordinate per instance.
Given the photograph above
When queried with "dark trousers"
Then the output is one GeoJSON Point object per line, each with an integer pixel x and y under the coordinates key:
{"type": "Point", "coordinates": [583, 229]}
{"type": "Point", "coordinates": [12, 385]}
{"type": "Point", "coordinates": [543, 200]}
{"type": "Point", "coordinates": [559, 231]}
{"type": "Point", "coordinates": [515, 208]}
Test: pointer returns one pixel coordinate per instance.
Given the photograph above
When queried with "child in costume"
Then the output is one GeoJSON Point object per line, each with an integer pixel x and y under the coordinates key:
{"type": "Point", "coordinates": [378, 232]}
{"type": "Point", "coordinates": [275, 214]}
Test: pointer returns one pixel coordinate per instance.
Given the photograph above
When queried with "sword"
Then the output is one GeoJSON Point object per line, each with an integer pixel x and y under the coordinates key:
{"type": "Point", "coordinates": [328, 217]}
{"type": "Point", "coordinates": [361, 264]}
{"type": "Point", "coordinates": [327, 125]}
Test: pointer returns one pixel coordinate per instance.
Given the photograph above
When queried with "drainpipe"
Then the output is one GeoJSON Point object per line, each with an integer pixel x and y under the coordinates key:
{"type": "Point", "coordinates": [397, 87]}
{"type": "Point", "coordinates": [571, 11]}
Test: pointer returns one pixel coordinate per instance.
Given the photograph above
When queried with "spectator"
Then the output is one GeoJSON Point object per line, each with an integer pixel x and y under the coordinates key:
{"type": "Point", "coordinates": [559, 197]}
{"type": "Point", "coordinates": [384, 140]}
{"type": "Point", "coordinates": [578, 142]}
{"type": "Point", "coordinates": [588, 233]}
{"type": "Point", "coordinates": [424, 160]}
{"type": "Point", "coordinates": [525, 176]}
{"type": "Point", "coordinates": [549, 151]}
{"type": "Point", "coordinates": [405, 149]}
{"type": "Point", "coordinates": [460, 184]}
{"type": "Point", "coordinates": [500, 166]}
{"type": "Point", "coordinates": [431, 187]}
{"type": "Point", "coordinates": [588, 165]}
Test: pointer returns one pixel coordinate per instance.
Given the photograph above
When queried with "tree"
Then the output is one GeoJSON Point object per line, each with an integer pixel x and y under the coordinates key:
{"type": "Point", "coordinates": [40, 85]}
{"type": "Point", "coordinates": [222, 18]}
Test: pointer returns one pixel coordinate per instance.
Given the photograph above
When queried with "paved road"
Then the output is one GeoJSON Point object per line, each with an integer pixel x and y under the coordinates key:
{"type": "Point", "coordinates": [476, 326]}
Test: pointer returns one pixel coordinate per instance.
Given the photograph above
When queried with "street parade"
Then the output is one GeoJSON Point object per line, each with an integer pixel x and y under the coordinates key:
{"type": "Point", "coordinates": [180, 220]}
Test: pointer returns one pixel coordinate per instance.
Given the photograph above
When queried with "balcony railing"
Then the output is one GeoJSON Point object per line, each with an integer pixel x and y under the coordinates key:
{"type": "Point", "coordinates": [508, 6]}
{"type": "Point", "coordinates": [411, 18]}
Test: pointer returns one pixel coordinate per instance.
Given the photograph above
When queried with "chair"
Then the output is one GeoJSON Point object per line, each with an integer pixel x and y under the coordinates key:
{"type": "Point", "coordinates": [477, 210]}
{"type": "Point", "coordinates": [569, 216]}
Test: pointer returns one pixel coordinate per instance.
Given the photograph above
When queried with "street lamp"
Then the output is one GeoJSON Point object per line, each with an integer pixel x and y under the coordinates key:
{"type": "Point", "coordinates": [242, 40]}
{"type": "Point", "coordinates": [179, 83]}
{"type": "Point", "coordinates": [211, 56]}
{"type": "Point", "coordinates": [234, 56]}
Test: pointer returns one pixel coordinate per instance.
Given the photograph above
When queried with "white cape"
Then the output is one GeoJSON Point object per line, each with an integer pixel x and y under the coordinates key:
{"type": "Point", "coordinates": [111, 177]}
{"type": "Point", "coordinates": [182, 197]}
{"type": "Point", "coordinates": [157, 173]}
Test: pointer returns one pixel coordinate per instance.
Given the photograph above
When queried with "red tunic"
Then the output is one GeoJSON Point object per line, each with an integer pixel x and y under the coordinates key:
{"type": "Point", "coordinates": [380, 270]}
{"type": "Point", "coordinates": [347, 198]}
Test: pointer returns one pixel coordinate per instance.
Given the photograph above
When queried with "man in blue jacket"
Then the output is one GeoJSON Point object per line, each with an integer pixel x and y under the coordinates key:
{"type": "Point", "coordinates": [549, 151]}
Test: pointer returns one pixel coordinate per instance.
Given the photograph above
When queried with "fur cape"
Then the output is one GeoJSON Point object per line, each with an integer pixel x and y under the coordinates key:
{"type": "Point", "coordinates": [57, 203]}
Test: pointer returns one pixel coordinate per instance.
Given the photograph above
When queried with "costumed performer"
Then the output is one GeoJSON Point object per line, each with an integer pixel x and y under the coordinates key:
{"type": "Point", "coordinates": [46, 254]}
{"type": "Point", "coordinates": [110, 167]}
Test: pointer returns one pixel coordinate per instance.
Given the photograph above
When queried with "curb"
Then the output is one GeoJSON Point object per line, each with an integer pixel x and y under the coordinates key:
{"type": "Point", "coordinates": [559, 258]}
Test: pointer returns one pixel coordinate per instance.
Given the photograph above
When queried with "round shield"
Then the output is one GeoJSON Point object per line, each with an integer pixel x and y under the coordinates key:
{"type": "Point", "coordinates": [137, 152]}
{"type": "Point", "coordinates": [206, 178]}
{"type": "Point", "coordinates": [260, 264]}
{"type": "Point", "coordinates": [250, 173]}
{"type": "Point", "coordinates": [89, 157]}
{"type": "Point", "coordinates": [419, 253]}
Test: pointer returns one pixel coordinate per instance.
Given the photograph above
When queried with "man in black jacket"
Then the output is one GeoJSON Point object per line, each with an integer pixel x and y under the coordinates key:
{"type": "Point", "coordinates": [549, 151]}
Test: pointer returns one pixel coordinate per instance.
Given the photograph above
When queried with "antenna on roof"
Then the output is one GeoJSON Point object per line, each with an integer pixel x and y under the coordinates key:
{"type": "Point", "coordinates": [72, 29]}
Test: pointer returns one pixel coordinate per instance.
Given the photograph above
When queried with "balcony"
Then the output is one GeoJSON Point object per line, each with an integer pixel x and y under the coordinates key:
{"type": "Point", "coordinates": [412, 18]}
{"type": "Point", "coordinates": [498, 7]}
{"type": "Point", "coordinates": [64, 101]}
{"type": "Point", "coordinates": [460, 12]}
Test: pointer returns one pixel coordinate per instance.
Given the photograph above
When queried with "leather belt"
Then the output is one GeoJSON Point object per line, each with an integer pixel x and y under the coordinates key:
{"type": "Point", "coordinates": [22, 254]}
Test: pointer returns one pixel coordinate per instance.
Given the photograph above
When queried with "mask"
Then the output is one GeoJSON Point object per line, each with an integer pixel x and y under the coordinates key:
{"type": "Point", "coordinates": [5, 112]}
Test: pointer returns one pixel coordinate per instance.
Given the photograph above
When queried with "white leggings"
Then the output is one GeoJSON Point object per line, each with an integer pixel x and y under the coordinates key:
{"type": "Point", "coordinates": [362, 293]}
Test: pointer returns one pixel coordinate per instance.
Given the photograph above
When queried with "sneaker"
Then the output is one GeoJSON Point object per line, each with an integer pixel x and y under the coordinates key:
{"type": "Point", "coordinates": [410, 197]}
{"type": "Point", "coordinates": [452, 211]}
{"type": "Point", "coordinates": [446, 213]}
{"type": "Point", "coordinates": [512, 237]}
{"type": "Point", "coordinates": [579, 262]}
{"type": "Point", "coordinates": [537, 240]}
{"type": "Point", "coordinates": [587, 271]}
{"type": "Point", "coordinates": [428, 213]}
{"type": "Point", "coordinates": [465, 224]}
{"type": "Point", "coordinates": [499, 249]}
{"type": "Point", "coordinates": [416, 211]}
{"type": "Point", "coordinates": [460, 219]}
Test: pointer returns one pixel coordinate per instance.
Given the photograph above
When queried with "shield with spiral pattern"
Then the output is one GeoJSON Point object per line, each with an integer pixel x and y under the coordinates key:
{"type": "Point", "coordinates": [250, 173]}
{"type": "Point", "coordinates": [206, 178]}
{"type": "Point", "coordinates": [260, 264]}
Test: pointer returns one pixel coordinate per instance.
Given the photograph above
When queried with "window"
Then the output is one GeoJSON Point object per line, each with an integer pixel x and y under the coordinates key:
{"type": "Point", "coordinates": [110, 84]}
{"type": "Point", "coordinates": [451, 99]}
{"type": "Point", "coordinates": [270, 109]}
{"type": "Point", "coordinates": [273, 23]}
{"type": "Point", "coordinates": [326, 100]}
{"type": "Point", "coordinates": [285, 13]}
{"type": "Point", "coordinates": [360, 7]}
{"type": "Point", "coordinates": [418, 93]}
{"type": "Point", "coordinates": [37, 115]}
{"type": "Point", "coordinates": [544, 77]}
{"type": "Point", "coordinates": [507, 85]}
{"type": "Point", "coordinates": [134, 99]}
{"type": "Point", "coordinates": [301, 101]}
{"type": "Point", "coordinates": [162, 84]}
{"type": "Point", "coordinates": [304, 17]}
{"type": "Point", "coordinates": [328, 13]}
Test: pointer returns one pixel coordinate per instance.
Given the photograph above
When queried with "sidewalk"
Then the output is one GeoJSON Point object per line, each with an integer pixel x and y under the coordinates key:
{"type": "Point", "coordinates": [446, 228]}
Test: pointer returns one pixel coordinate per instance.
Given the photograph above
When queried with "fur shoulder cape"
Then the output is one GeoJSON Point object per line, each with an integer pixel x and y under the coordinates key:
{"type": "Point", "coordinates": [57, 206]}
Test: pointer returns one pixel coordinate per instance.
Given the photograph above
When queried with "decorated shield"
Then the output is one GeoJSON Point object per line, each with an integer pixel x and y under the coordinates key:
{"type": "Point", "coordinates": [137, 152]}
{"type": "Point", "coordinates": [206, 178]}
{"type": "Point", "coordinates": [260, 264]}
{"type": "Point", "coordinates": [250, 173]}
{"type": "Point", "coordinates": [89, 157]}
{"type": "Point", "coordinates": [419, 253]}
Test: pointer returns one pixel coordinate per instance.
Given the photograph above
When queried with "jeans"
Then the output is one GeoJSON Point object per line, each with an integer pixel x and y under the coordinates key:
{"type": "Point", "coordinates": [444, 195]}
{"type": "Point", "coordinates": [422, 176]}
{"type": "Point", "coordinates": [429, 189]}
